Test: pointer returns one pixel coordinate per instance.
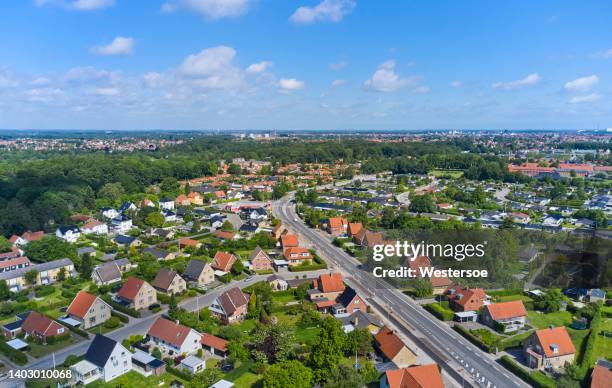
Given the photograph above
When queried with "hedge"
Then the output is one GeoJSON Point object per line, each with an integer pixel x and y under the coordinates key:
{"type": "Point", "coordinates": [122, 318]}
{"type": "Point", "coordinates": [535, 379]}
{"type": "Point", "coordinates": [179, 373]}
{"type": "Point", "coordinates": [121, 308]}
{"type": "Point", "coordinates": [473, 339]}
{"type": "Point", "coordinates": [505, 292]}
{"type": "Point", "coordinates": [16, 356]}
{"type": "Point", "coordinates": [309, 267]}
{"type": "Point", "coordinates": [439, 312]}
{"type": "Point", "coordinates": [76, 330]}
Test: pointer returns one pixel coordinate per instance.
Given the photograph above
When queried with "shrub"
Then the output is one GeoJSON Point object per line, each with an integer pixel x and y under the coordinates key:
{"type": "Point", "coordinates": [44, 291]}
{"type": "Point", "coordinates": [179, 373]}
{"type": "Point", "coordinates": [71, 359]}
{"type": "Point", "coordinates": [535, 379]}
{"type": "Point", "coordinates": [112, 323]}
{"type": "Point", "coordinates": [16, 356]}
{"type": "Point", "coordinates": [122, 318]}
{"type": "Point", "coordinates": [443, 314]}
{"type": "Point", "coordinates": [123, 309]}
{"type": "Point", "coordinates": [473, 339]}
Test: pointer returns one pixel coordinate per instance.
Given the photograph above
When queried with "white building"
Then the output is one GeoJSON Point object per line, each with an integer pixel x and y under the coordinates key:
{"type": "Point", "coordinates": [68, 233]}
{"type": "Point", "coordinates": [105, 360]}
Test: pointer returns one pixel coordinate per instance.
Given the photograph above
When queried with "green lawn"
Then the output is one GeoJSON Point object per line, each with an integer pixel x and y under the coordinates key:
{"type": "Point", "coordinates": [452, 173]}
{"type": "Point", "coordinates": [603, 345]}
{"type": "Point", "coordinates": [509, 298]}
{"type": "Point", "coordinates": [541, 320]}
{"type": "Point", "coordinates": [38, 350]}
{"type": "Point", "coordinates": [578, 339]}
{"type": "Point", "coordinates": [136, 380]}
{"type": "Point", "coordinates": [101, 329]}
{"type": "Point", "coordinates": [241, 376]}
{"type": "Point", "coordinates": [283, 297]}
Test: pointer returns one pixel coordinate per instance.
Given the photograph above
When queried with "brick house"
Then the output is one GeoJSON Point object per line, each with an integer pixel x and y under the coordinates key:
{"type": "Point", "coordinates": [231, 306]}
{"type": "Point", "coordinates": [89, 309]}
{"type": "Point", "coordinates": [549, 348]}
{"type": "Point", "coordinates": [260, 261]}
{"type": "Point", "coordinates": [137, 294]}
{"type": "Point", "coordinates": [512, 315]}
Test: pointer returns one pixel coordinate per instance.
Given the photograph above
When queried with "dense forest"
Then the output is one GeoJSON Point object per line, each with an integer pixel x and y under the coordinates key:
{"type": "Point", "coordinates": [41, 189]}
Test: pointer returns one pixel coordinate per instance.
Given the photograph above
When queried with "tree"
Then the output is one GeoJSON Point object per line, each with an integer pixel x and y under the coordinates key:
{"type": "Point", "coordinates": [86, 267]}
{"type": "Point", "coordinates": [360, 341]}
{"type": "Point", "coordinates": [253, 311]}
{"type": "Point", "coordinates": [227, 226]}
{"type": "Point", "coordinates": [172, 305]}
{"type": "Point", "coordinates": [155, 219]}
{"type": "Point", "coordinates": [206, 378]}
{"type": "Point", "coordinates": [4, 290]}
{"type": "Point", "coordinates": [551, 301]}
{"type": "Point", "coordinates": [508, 223]}
{"type": "Point", "coordinates": [156, 353]}
{"type": "Point", "coordinates": [288, 374]}
{"type": "Point", "coordinates": [61, 275]}
{"type": "Point", "coordinates": [422, 204]}
{"type": "Point", "coordinates": [422, 288]}
{"type": "Point", "coordinates": [328, 351]}
{"type": "Point", "coordinates": [234, 169]}
{"type": "Point", "coordinates": [31, 276]}
{"type": "Point", "coordinates": [170, 185]}
{"type": "Point", "coordinates": [5, 245]}
{"type": "Point", "coordinates": [237, 351]}
{"type": "Point", "coordinates": [273, 341]}
{"type": "Point", "coordinates": [238, 267]}
{"type": "Point", "coordinates": [344, 376]}
{"type": "Point", "coordinates": [49, 248]}
{"type": "Point", "coordinates": [111, 192]}
{"type": "Point", "coordinates": [301, 292]}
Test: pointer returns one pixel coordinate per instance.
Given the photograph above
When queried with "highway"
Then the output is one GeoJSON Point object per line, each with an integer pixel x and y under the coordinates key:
{"type": "Point", "coordinates": [457, 355]}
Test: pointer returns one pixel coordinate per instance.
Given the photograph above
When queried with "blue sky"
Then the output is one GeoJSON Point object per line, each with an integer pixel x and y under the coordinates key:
{"type": "Point", "coordinates": [306, 64]}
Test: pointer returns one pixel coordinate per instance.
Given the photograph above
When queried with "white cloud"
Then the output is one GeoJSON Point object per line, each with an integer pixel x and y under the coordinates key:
{"type": "Point", "coordinates": [582, 84]}
{"type": "Point", "coordinates": [583, 99]}
{"type": "Point", "coordinates": [456, 84]}
{"type": "Point", "coordinates": [338, 82]}
{"type": "Point", "coordinates": [606, 54]}
{"type": "Point", "coordinates": [327, 10]}
{"type": "Point", "coordinates": [422, 90]}
{"type": "Point", "coordinates": [213, 68]}
{"type": "Point", "coordinates": [105, 91]}
{"type": "Point", "coordinates": [216, 9]}
{"type": "Point", "coordinates": [43, 95]}
{"type": "Point", "coordinates": [531, 79]}
{"type": "Point", "coordinates": [7, 81]}
{"type": "Point", "coordinates": [168, 7]}
{"type": "Point", "coordinates": [338, 65]}
{"type": "Point", "coordinates": [78, 5]}
{"type": "Point", "coordinates": [290, 84]}
{"type": "Point", "coordinates": [385, 79]}
{"type": "Point", "coordinates": [153, 79]}
{"type": "Point", "coordinates": [38, 81]}
{"type": "Point", "coordinates": [119, 46]}
{"type": "Point", "coordinates": [258, 67]}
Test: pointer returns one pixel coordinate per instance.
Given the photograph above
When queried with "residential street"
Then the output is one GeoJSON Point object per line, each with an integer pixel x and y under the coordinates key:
{"type": "Point", "coordinates": [437, 339]}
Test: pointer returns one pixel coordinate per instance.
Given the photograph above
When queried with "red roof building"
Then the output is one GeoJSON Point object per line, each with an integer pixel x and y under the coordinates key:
{"type": "Point", "coordinates": [223, 261]}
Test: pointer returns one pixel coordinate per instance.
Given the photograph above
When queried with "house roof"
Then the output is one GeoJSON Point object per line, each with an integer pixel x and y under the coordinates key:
{"type": "Point", "coordinates": [108, 272]}
{"type": "Point", "coordinates": [81, 303]}
{"type": "Point", "coordinates": [289, 240]}
{"type": "Point", "coordinates": [92, 224]}
{"type": "Point", "coordinates": [556, 337]}
{"type": "Point", "coordinates": [156, 252]}
{"type": "Point", "coordinates": [171, 332]}
{"type": "Point", "coordinates": [295, 251]}
{"type": "Point", "coordinates": [194, 269]}
{"type": "Point", "coordinates": [360, 319]}
{"type": "Point", "coordinates": [33, 236]}
{"type": "Point", "coordinates": [258, 252]}
{"type": "Point", "coordinates": [419, 262]}
{"type": "Point", "coordinates": [224, 235]}
{"type": "Point", "coordinates": [214, 342]}
{"type": "Point", "coordinates": [100, 350]}
{"type": "Point", "coordinates": [388, 342]}
{"type": "Point", "coordinates": [354, 228]}
{"type": "Point", "coordinates": [187, 242]}
{"type": "Point", "coordinates": [231, 300]}
{"type": "Point", "coordinates": [347, 296]}
{"type": "Point", "coordinates": [602, 374]}
{"type": "Point", "coordinates": [331, 282]}
{"type": "Point", "coordinates": [38, 323]}
{"type": "Point", "coordinates": [130, 288]}
{"type": "Point", "coordinates": [124, 240]}
{"type": "Point", "coordinates": [16, 261]}
{"type": "Point", "coordinates": [337, 222]}
{"type": "Point", "coordinates": [223, 261]}
{"type": "Point", "coordinates": [505, 310]}
{"type": "Point", "coordinates": [164, 278]}
{"type": "Point", "coordinates": [421, 376]}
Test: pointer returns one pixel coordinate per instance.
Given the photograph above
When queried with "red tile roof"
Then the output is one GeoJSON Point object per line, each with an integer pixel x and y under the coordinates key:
{"type": "Point", "coordinates": [388, 342]}
{"type": "Point", "coordinates": [171, 332]}
{"type": "Point", "coordinates": [130, 288]}
{"type": "Point", "coordinates": [223, 235]}
{"type": "Point", "coordinates": [289, 252]}
{"type": "Point", "coordinates": [33, 236]}
{"type": "Point", "coordinates": [289, 240]}
{"type": "Point", "coordinates": [16, 261]}
{"type": "Point", "coordinates": [81, 303]}
{"type": "Point", "coordinates": [40, 325]}
{"type": "Point", "coordinates": [92, 224]}
{"type": "Point", "coordinates": [337, 222]}
{"type": "Point", "coordinates": [601, 376]}
{"type": "Point", "coordinates": [214, 342]}
{"type": "Point", "coordinates": [557, 336]}
{"type": "Point", "coordinates": [187, 242]}
{"type": "Point", "coordinates": [329, 282]}
{"type": "Point", "coordinates": [354, 228]}
{"type": "Point", "coordinates": [421, 376]}
{"type": "Point", "coordinates": [223, 261]}
{"type": "Point", "coordinates": [505, 310]}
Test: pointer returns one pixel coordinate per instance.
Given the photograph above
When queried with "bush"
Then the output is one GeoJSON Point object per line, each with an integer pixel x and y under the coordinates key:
{"type": "Point", "coordinates": [71, 359]}
{"type": "Point", "coordinates": [122, 318]}
{"type": "Point", "coordinates": [473, 339]}
{"type": "Point", "coordinates": [112, 323]}
{"type": "Point", "coordinates": [44, 291]}
{"type": "Point", "coordinates": [58, 338]}
{"type": "Point", "coordinates": [443, 314]}
{"type": "Point", "coordinates": [77, 331]}
{"type": "Point", "coordinates": [123, 309]}
{"type": "Point", "coordinates": [178, 373]}
{"type": "Point", "coordinates": [535, 379]}
{"type": "Point", "coordinates": [16, 356]}
{"type": "Point", "coordinates": [163, 298]}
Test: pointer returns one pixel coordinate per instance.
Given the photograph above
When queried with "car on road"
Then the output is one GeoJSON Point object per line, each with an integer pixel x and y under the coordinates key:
{"type": "Point", "coordinates": [248, 278]}
{"type": "Point", "coordinates": [295, 219]}
{"type": "Point", "coordinates": [154, 306]}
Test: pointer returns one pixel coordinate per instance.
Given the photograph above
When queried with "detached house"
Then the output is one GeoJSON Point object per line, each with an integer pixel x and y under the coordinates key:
{"type": "Point", "coordinates": [469, 299]}
{"type": "Point", "coordinates": [394, 349]}
{"type": "Point", "coordinates": [182, 200]}
{"type": "Point", "coordinates": [137, 294]}
{"type": "Point", "coordinates": [353, 229]}
{"type": "Point", "coordinates": [223, 261]}
{"type": "Point", "coordinates": [328, 286]}
{"type": "Point", "coordinates": [289, 240]}
{"type": "Point", "coordinates": [89, 310]}
{"type": "Point", "coordinates": [169, 282]}
{"type": "Point", "coordinates": [349, 302]}
{"type": "Point", "coordinates": [172, 338]}
{"type": "Point", "coordinates": [199, 272]}
{"type": "Point", "coordinates": [512, 315]}
{"type": "Point", "coordinates": [336, 226]}
{"type": "Point", "coordinates": [230, 306]}
{"type": "Point", "coordinates": [105, 360]}
{"type": "Point", "coordinates": [105, 274]}
{"type": "Point", "coordinates": [121, 223]}
{"type": "Point", "coordinates": [420, 376]}
{"type": "Point", "coordinates": [68, 233]}
{"type": "Point", "coordinates": [26, 237]}
{"type": "Point", "coordinates": [195, 198]}
{"type": "Point", "coordinates": [166, 203]}
{"type": "Point", "coordinates": [215, 345]}
{"type": "Point", "coordinates": [95, 227]}
{"type": "Point", "coordinates": [549, 348]}
{"type": "Point", "coordinates": [40, 326]}
{"type": "Point", "coordinates": [297, 255]}
{"type": "Point", "coordinates": [260, 261]}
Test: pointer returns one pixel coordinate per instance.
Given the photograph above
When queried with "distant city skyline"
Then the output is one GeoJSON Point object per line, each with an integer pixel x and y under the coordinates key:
{"type": "Point", "coordinates": [291, 65]}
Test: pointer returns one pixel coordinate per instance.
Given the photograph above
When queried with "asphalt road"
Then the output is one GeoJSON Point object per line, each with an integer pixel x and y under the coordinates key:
{"type": "Point", "coordinates": [463, 357]}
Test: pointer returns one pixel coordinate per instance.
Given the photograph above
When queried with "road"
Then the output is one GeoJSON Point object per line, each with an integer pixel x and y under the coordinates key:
{"type": "Point", "coordinates": [439, 340]}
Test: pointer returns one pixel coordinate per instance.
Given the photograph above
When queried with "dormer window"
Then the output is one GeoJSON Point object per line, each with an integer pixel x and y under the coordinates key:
{"type": "Point", "coordinates": [554, 348]}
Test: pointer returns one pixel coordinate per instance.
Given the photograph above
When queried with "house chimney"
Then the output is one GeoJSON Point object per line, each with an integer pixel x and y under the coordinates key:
{"type": "Point", "coordinates": [177, 322]}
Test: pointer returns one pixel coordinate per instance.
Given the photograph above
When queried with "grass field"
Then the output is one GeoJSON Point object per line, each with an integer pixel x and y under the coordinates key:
{"type": "Point", "coordinates": [603, 345]}
{"type": "Point", "coordinates": [541, 321]}
{"type": "Point", "coordinates": [444, 173]}
{"type": "Point", "coordinates": [136, 380]}
{"type": "Point", "coordinates": [38, 350]}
